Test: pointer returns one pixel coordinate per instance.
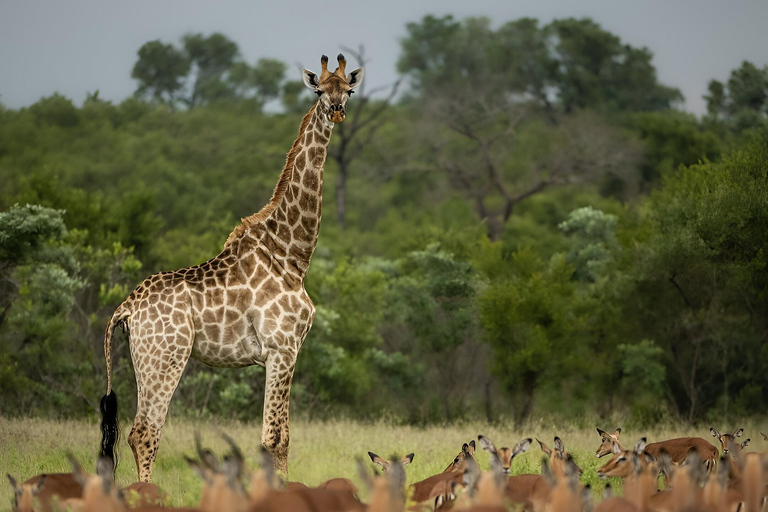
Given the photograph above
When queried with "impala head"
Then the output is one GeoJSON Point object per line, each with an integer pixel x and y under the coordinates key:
{"type": "Point", "coordinates": [727, 441]}
{"type": "Point", "coordinates": [444, 492]}
{"type": "Point", "coordinates": [559, 460]}
{"type": "Point", "coordinates": [222, 481]}
{"type": "Point", "coordinates": [606, 446]}
{"type": "Point", "coordinates": [99, 490]}
{"type": "Point", "coordinates": [385, 464]}
{"type": "Point", "coordinates": [504, 455]}
{"type": "Point", "coordinates": [459, 462]}
{"type": "Point", "coordinates": [334, 89]}
{"type": "Point", "coordinates": [265, 479]}
{"type": "Point", "coordinates": [387, 491]}
{"type": "Point", "coordinates": [626, 462]}
{"type": "Point", "coordinates": [24, 494]}
{"type": "Point", "coordinates": [695, 470]}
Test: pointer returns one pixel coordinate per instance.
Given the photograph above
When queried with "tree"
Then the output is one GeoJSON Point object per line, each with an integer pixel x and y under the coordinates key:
{"type": "Point", "coordinates": [211, 58]}
{"type": "Point", "coordinates": [28, 236]}
{"type": "Point", "coordinates": [671, 139]}
{"type": "Point", "coordinates": [262, 82]}
{"type": "Point", "coordinates": [432, 300]}
{"type": "Point", "coordinates": [529, 66]}
{"type": "Point", "coordinates": [534, 323]}
{"type": "Point", "coordinates": [742, 103]}
{"type": "Point", "coordinates": [573, 61]}
{"type": "Point", "coordinates": [206, 69]}
{"type": "Point", "coordinates": [480, 91]}
{"type": "Point", "coordinates": [595, 241]}
{"type": "Point", "coordinates": [54, 288]}
{"type": "Point", "coordinates": [596, 70]}
{"type": "Point", "coordinates": [699, 286]}
{"type": "Point", "coordinates": [485, 161]}
{"type": "Point", "coordinates": [161, 71]}
{"type": "Point", "coordinates": [337, 364]}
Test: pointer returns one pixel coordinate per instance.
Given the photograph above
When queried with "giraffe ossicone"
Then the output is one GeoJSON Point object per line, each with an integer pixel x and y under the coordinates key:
{"type": "Point", "coordinates": [243, 307]}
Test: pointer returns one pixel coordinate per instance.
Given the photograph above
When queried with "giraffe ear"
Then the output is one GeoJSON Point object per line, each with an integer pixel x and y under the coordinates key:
{"type": "Point", "coordinates": [355, 77]}
{"type": "Point", "coordinates": [310, 79]}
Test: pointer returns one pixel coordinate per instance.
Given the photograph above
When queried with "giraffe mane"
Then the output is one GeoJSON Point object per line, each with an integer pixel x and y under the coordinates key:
{"type": "Point", "coordinates": [280, 188]}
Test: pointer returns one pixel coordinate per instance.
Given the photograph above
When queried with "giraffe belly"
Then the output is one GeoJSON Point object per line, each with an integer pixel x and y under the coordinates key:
{"type": "Point", "coordinates": [228, 353]}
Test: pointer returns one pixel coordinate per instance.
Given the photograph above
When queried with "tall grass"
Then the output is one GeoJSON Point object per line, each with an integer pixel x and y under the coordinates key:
{"type": "Point", "coordinates": [319, 450]}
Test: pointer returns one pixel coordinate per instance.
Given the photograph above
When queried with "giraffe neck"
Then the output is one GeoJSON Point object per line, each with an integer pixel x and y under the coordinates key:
{"type": "Point", "coordinates": [289, 225]}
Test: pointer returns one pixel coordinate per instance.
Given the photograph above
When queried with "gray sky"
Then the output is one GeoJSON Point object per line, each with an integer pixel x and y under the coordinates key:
{"type": "Point", "coordinates": [76, 46]}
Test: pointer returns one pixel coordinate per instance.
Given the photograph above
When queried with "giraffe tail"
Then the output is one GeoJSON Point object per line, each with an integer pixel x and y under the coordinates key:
{"type": "Point", "coordinates": [110, 428]}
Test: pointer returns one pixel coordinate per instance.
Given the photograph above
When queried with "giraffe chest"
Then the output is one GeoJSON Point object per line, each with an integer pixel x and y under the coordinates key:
{"type": "Point", "coordinates": [244, 332]}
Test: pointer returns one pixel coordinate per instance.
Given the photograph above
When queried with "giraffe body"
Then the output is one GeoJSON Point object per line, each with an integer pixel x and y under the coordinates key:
{"type": "Point", "coordinates": [243, 307]}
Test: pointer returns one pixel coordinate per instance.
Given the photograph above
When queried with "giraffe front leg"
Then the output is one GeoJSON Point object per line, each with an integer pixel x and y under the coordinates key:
{"type": "Point", "coordinates": [274, 433]}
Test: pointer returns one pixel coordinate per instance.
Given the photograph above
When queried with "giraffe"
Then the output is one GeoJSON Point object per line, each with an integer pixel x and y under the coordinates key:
{"type": "Point", "coordinates": [245, 306]}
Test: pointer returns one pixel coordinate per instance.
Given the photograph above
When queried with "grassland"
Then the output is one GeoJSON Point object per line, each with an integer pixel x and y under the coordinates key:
{"type": "Point", "coordinates": [318, 450]}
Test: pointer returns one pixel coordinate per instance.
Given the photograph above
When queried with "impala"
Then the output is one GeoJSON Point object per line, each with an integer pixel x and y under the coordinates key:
{"type": "Point", "coordinates": [504, 454]}
{"type": "Point", "coordinates": [678, 449]}
{"type": "Point", "coordinates": [559, 459]}
{"type": "Point", "coordinates": [728, 440]}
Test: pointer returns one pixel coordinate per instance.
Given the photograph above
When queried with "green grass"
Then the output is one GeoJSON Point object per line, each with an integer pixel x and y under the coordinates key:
{"type": "Point", "coordinates": [319, 450]}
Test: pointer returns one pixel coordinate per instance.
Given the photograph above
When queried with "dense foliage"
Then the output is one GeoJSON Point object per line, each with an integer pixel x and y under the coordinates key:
{"type": "Point", "coordinates": [531, 229]}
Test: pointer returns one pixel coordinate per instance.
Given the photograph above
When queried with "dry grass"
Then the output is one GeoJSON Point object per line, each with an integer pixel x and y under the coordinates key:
{"type": "Point", "coordinates": [318, 450]}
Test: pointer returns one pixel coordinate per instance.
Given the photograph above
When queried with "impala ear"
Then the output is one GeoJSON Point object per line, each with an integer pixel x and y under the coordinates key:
{"type": "Point", "coordinates": [77, 470]}
{"type": "Point", "coordinates": [486, 444]}
{"type": "Point", "coordinates": [197, 467]}
{"type": "Point", "coordinates": [546, 449]}
{"type": "Point", "coordinates": [559, 446]}
{"type": "Point", "coordinates": [406, 460]}
{"type": "Point", "coordinates": [738, 432]}
{"type": "Point", "coordinates": [714, 432]}
{"type": "Point", "coordinates": [378, 460]}
{"type": "Point", "coordinates": [355, 78]}
{"type": "Point", "coordinates": [521, 447]}
{"type": "Point", "coordinates": [616, 433]}
{"type": "Point", "coordinates": [310, 79]}
{"type": "Point", "coordinates": [40, 483]}
{"type": "Point", "coordinates": [601, 433]}
{"type": "Point", "coordinates": [13, 483]}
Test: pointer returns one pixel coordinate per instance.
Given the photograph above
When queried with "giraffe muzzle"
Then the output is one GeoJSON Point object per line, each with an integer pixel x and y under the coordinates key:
{"type": "Point", "coordinates": [337, 113]}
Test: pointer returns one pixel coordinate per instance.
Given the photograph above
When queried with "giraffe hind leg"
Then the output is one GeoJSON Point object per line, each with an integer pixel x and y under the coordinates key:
{"type": "Point", "coordinates": [157, 379]}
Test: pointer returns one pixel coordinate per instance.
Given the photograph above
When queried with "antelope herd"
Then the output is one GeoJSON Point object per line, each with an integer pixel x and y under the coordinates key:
{"type": "Point", "coordinates": [695, 478]}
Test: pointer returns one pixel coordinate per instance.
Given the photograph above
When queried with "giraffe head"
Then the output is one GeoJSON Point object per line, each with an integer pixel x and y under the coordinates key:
{"type": "Point", "coordinates": [334, 89]}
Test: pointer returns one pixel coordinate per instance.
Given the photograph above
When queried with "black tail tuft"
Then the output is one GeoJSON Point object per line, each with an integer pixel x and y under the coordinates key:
{"type": "Point", "coordinates": [110, 431]}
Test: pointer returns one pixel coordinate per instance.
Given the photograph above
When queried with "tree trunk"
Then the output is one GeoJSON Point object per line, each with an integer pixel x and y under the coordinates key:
{"type": "Point", "coordinates": [525, 401]}
{"type": "Point", "coordinates": [488, 403]}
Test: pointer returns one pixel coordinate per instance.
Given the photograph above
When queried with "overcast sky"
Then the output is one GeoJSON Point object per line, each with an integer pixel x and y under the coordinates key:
{"type": "Point", "coordinates": [76, 46]}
